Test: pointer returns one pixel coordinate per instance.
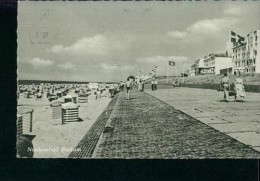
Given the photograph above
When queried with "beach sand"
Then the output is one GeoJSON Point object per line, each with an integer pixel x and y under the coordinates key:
{"type": "Point", "coordinates": [54, 140]}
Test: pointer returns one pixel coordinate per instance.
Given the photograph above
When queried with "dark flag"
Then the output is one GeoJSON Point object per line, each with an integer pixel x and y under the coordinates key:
{"type": "Point", "coordinates": [233, 37]}
{"type": "Point", "coordinates": [241, 40]}
{"type": "Point", "coordinates": [233, 33]}
{"type": "Point", "coordinates": [237, 39]}
{"type": "Point", "coordinates": [171, 63]}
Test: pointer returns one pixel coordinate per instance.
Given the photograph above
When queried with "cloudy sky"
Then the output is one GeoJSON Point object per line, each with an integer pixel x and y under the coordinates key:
{"type": "Point", "coordinates": [105, 41]}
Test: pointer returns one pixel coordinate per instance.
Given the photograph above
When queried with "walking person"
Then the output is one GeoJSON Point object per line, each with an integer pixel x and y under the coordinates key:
{"type": "Point", "coordinates": [226, 86]}
{"type": "Point", "coordinates": [98, 93]}
{"type": "Point", "coordinates": [122, 86]}
{"type": "Point", "coordinates": [239, 88]}
{"type": "Point", "coordinates": [128, 84]}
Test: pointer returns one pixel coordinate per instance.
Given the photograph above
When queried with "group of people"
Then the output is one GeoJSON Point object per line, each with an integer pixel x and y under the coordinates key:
{"type": "Point", "coordinates": [239, 89]}
{"type": "Point", "coordinates": [132, 81]}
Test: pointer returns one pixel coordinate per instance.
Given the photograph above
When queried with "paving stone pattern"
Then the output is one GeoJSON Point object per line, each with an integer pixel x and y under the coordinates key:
{"type": "Point", "coordinates": [145, 127]}
{"type": "Point", "coordinates": [89, 141]}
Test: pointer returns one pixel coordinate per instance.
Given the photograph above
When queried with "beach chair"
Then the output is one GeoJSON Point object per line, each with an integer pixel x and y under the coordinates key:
{"type": "Point", "coordinates": [19, 125]}
{"type": "Point", "coordinates": [70, 112]}
{"type": "Point", "coordinates": [83, 98]}
{"type": "Point", "coordinates": [56, 112]}
{"type": "Point", "coordinates": [27, 118]}
{"type": "Point", "coordinates": [24, 143]}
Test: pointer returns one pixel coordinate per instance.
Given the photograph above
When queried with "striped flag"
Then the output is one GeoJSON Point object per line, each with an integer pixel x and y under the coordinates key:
{"type": "Point", "coordinates": [236, 39]}
{"type": "Point", "coordinates": [171, 63]}
{"type": "Point", "coordinates": [233, 37]}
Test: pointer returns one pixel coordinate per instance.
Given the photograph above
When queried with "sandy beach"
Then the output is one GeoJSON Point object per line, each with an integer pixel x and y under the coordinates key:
{"type": "Point", "coordinates": [54, 140]}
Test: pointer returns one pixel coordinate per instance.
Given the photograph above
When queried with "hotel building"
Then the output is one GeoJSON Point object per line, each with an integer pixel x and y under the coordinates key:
{"type": "Point", "coordinates": [246, 58]}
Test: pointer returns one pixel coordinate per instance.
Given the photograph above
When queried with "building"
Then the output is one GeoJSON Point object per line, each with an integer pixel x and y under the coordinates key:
{"type": "Point", "coordinates": [199, 66]}
{"type": "Point", "coordinates": [212, 63]}
{"type": "Point", "coordinates": [246, 58]}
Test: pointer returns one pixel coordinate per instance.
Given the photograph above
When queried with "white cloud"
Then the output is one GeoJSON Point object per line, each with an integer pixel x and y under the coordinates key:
{"type": "Point", "coordinates": [114, 67]}
{"type": "Point", "coordinates": [162, 59]}
{"type": "Point", "coordinates": [177, 34]}
{"type": "Point", "coordinates": [211, 26]}
{"type": "Point", "coordinates": [232, 10]}
{"type": "Point", "coordinates": [96, 45]}
{"type": "Point", "coordinates": [67, 66]}
{"type": "Point", "coordinates": [37, 62]}
{"type": "Point", "coordinates": [204, 27]}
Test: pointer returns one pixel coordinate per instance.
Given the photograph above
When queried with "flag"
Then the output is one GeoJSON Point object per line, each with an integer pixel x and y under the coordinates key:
{"type": "Point", "coordinates": [171, 63]}
{"type": "Point", "coordinates": [241, 40]}
{"type": "Point", "coordinates": [233, 37]}
{"type": "Point", "coordinates": [233, 33]}
{"type": "Point", "coordinates": [236, 39]}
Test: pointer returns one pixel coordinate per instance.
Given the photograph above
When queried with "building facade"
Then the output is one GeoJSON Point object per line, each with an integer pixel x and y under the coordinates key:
{"type": "Point", "coordinates": [212, 63]}
{"type": "Point", "coordinates": [246, 57]}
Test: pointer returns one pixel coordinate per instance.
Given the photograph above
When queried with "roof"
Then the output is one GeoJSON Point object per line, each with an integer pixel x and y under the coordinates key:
{"type": "Point", "coordinates": [240, 45]}
{"type": "Point", "coordinates": [217, 54]}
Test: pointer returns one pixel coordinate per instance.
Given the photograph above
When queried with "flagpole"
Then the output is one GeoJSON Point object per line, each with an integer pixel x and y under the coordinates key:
{"type": "Point", "coordinates": [167, 72]}
{"type": "Point", "coordinates": [172, 72]}
{"type": "Point", "coordinates": [183, 73]}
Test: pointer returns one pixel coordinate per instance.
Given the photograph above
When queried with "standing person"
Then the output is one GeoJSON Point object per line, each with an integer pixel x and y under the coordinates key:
{"type": "Point", "coordinates": [128, 84]}
{"type": "Point", "coordinates": [155, 84]}
{"type": "Point", "coordinates": [98, 93]}
{"type": "Point", "coordinates": [143, 82]}
{"type": "Point", "coordinates": [140, 85]}
{"type": "Point", "coordinates": [122, 85]}
{"type": "Point", "coordinates": [239, 88]}
{"type": "Point", "coordinates": [225, 85]}
{"type": "Point", "coordinates": [152, 84]}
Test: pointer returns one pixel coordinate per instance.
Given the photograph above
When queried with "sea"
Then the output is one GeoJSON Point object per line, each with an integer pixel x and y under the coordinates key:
{"type": "Point", "coordinates": [37, 82]}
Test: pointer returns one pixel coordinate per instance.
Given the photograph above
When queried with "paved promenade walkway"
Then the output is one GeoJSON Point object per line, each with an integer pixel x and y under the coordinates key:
{"type": "Point", "coordinates": [239, 120]}
{"type": "Point", "coordinates": [145, 127]}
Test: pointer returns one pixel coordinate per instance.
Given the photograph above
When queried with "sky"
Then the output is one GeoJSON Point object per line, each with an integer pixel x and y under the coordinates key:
{"type": "Point", "coordinates": [108, 41]}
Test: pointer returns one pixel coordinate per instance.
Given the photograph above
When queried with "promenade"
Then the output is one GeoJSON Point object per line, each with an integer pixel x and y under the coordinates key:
{"type": "Point", "coordinates": [146, 127]}
{"type": "Point", "coordinates": [238, 120]}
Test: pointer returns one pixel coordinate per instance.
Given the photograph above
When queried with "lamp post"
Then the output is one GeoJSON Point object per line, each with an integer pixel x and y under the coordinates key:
{"type": "Point", "coordinates": [182, 73]}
